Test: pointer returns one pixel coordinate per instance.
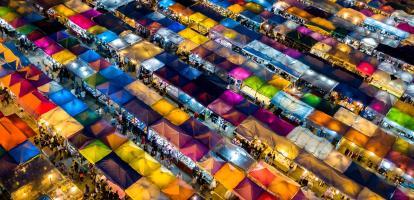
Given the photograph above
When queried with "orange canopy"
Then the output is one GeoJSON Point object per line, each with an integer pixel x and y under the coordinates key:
{"type": "Point", "coordinates": [10, 137]}
{"type": "Point", "coordinates": [324, 120]}
{"type": "Point", "coordinates": [356, 137]}
{"type": "Point", "coordinates": [229, 176]}
{"type": "Point", "coordinates": [380, 143]}
{"type": "Point", "coordinates": [178, 190]}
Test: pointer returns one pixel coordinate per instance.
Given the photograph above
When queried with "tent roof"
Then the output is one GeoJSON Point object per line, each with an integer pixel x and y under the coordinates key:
{"type": "Point", "coordinates": [324, 120]}
{"type": "Point", "coordinates": [163, 107]}
{"type": "Point", "coordinates": [95, 151]}
{"type": "Point", "coordinates": [129, 151]}
{"type": "Point", "coordinates": [229, 176]}
{"type": "Point", "coordinates": [144, 189]}
{"type": "Point", "coordinates": [142, 112]}
{"type": "Point", "coordinates": [161, 177]}
{"type": "Point", "coordinates": [143, 92]}
{"type": "Point", "coordinates": [248, 189]}
{"type": "Point", "coordinates": [171, 133]}
{"type": "Point", "coordinates": [24, 152]}
{"type": "Point", "coordinates": [74, 107]}
{"type": "Point", "coordinates": [338, 161]}
{"type": "Point", "coordinates": [141, 51]}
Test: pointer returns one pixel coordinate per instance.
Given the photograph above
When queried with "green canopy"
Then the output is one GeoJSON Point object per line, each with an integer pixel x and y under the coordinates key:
{"type": "Point", "coordinates": [399, 117]}
{"type": "Point", "coordinates": [69, 42]}
{"type": "Point", "coordinates": [268, 90]}
{"type": "Point", "coordinates": [95, 151]}
{"type": "Point", "coordinates": [311, 99]}
{"type": "Point", "coordinates": [87, 117]}
{"type": "Point", "coordinates": [4, 10]}
{"type": "Point", "coordinates": [95, 79]}
{"type": "Point", "coordinates": [26, 29]}
{"type": "Point", "coordinates": [254, 82]}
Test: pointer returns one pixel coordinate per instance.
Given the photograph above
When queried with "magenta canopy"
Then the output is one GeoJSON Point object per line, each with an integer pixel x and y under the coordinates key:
{"type": "Point", "coordinates": [240, 73]}
{"type": "Point", "coordinates": [52, 49]}
{"type": "Point", "coordinates": [317, 36]}
{"type": "Point", "coordinates": [91, 13]}
{"type": "Point", "coordinates": [171, 133]}
{"type": "Point", "coordinates": [234, 117]}
{"type": "Point", "coordinates": [219, 107]}
{"type": "Point", "coordinates": [406, 27]}
{"type": "Point", "coordinates": [82, 21]}
{"type": "Point", "coordinates": [366, 68]}
{"type": "Point", "coordinates": [304, 30]}
{"type": "Point", "coordinates": [379, 106]}
{"type": "Point", "coordinates": [293, 53]}
{"type": "Point", "coordinates": [231, 98]}
{"type": "Point", "coordinates": [248, 190]}
{"type": "Point", "coordinates": [44, 42]}
{"type": "Point", "coordinates": [265, 116]}
{"type": "Point", "coordinates": [281, 127]}
{"type": "Point", "coordinates": [194, 150]}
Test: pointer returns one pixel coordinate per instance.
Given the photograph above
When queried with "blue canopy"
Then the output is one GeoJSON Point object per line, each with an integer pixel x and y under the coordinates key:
{"type": "Point", "coordinates": [229, 23]}
{"type": "Point", "coordinates": [246, 107]}
{"type": "Point", "coordinates": [195, 106]}
{"type": "Point", "coordinates": [176, 27]}
{"type": "Point", "coordinates": [166, 3]}
{"type": "Point", "coordinates": [24, 152]}
{"type": "Point", "coordinates": [276, 19]}
{"type": "Point", "coordinates": [177, 65]}
{"type": "Point", "coordinates": [61, 97]}
{"type": "Point", "coordinates": [111, 72]}
{"type": "Point", "coordinates": [352, 93]}
{"type": "Point", "coordinates": [184, 97]}
{"type": "Point", "coordinates": [24, 61]}
{"type": "Point", "coordinates": [118, 171]}
{"type": "Point", "coordinates": [291, 105]}
{"type": "Point", "coordinates": [121, 97]}
{"type": "Point", "coordinates": [108, 88]}
{"type": "Point", "coordinates": [5, 70]}
{"type": "Point", "coordinates": [90, 56]}
{"type": "Point", "coordinates": [58, 36]}
{"type": "Point", "coordinates": [166, 57]}
{"type": "Point", "coordinates": [123, 79]}
{"type": "Point", "coordinates": [107, 36]}
{"type": "Point", "coordinates": [165, 21]}
{"type": "Point", "coordinates": [223, 4]}
{"type": "Point", "coordinates": [32, 17]}
{"type": "Point", "coordinates": [190, 73]}
{"type": "Point", "coordinates": [263, 3]}
{"type": "Point", "coordinates": [74, 107]}
{"type": "Point", "coordinates": [249, 33]}
{"type": "Point", "coordinates": [7, 165]}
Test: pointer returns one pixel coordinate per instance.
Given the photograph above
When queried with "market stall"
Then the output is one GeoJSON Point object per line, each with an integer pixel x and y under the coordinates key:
{"type": "Point", "coordinates": [313, 144]}
{"type": "Point", "coordinates": [291, 105]}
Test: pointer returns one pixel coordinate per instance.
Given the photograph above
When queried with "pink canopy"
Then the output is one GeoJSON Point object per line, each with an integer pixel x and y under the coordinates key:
{"type": "Point", "coordinates": [52, 49]}
{"type": "Point", "coordinates": [231, 97]}
{"type": "Point", "coordinates": [281, 127]}
{"type": "Point", "coordinates": [406, 27]}
{"type": "Point", "coordinates": [219, 107]}
{"type": "Point", "coordinates": [194, 150]}
{"type": "Point", "coordinates": [234, 117]}
{"type": "Point", "coordinates": [171, 133]}
{"type": "Point", "coordinates": [317, 36]}
{"type": "Point", "coordinates": [240, 73]}
{"type": "Point", "coordinates": [18, 22]}
{"type": "Point", "coordinates": [366, 68]}
{"type": "Point", "coordinates": [304, 30]}
{"type": "Point", "coordinates": [44, 42]}
{"type": "Point", "coordinates": [265, 116]}
{"type": "Point", "coordinates": [248, 190]}
{"type": "Point", "coordinates": [293, 53]}
{"type": "Point", "coordinates": [379, 106]}
{"type": "Point", "coordinates": [330, 41]}
{"type": "Point", "coordinates": [82, 21]}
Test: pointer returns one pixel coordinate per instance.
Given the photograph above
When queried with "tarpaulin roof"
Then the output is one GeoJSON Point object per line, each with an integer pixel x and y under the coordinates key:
{"type": "Point", "coordinates": [145, 164]}
{"type": "Point", "coordinates": [338, 161]}
{"type": "Point", "coordinates": [178, 190]}
{"type": "Point", "coordinates": [10, 139]}
{"type": "Point", "coordinates": [95, 80]}
{"type": "Point", "coordinates": [194, 150]}
{"type": "Point", "coordinates": [219, 107]}
{"type": "Point", "coordinates": [74, 107]}
{"type": "Point", "coordinates": [319, 80]}
{"type": "Point", "coordinates": [89, 56]}
{"type": "Point", "coordinates": [99, 128]}
{"type": "Point", "coordinates": [171, 133]}
{"type": "Point", "coordinates": [177, 116]}
{"type": "Point", "coordinates": [324, 120]}
{"type": "Point", "coordinates": [248, 189]}
{"type": "Point", "coordinates": [361, 124]}
{"type": "Point", "coordinates": [121, 97]}
{"type": "Point", "coordinates": [63, 10]}
{"type": "Point", "coordinates": [163, 107]}
{"type": "Point", "coordinates": [129, 152]}
{"type": "Point", "coordinates": [80, 68]}
{"type": "Point", "coordinates": [20, 124]}
{"type": "Point", "coordinates": [277, 124]}
{"type": "Point", "coordinates": [313, 144]}
{"type": "Point", "coordinates": [22, 88]}
{"type": "Point", "coordinates": [329, 175]}
{"type": "Point", "coordinates": [118, 171]}
{"type": "Point", "coordinates": [254, 82]}
{"type": "Point", "coordinates": [87, 117]}
{"type": "Point", "coordinates": [144, 189]}
{"type": "Point", "coordinates": [82, 21]}
{"type": "Point", "coordinates": [64, 57]}
{"type": "Point", "coordinates": [100, 64]}
{"type": "Point", "coordinates": [358, 174]}
{"type": "Point", "coordinates": [24, 152]}
{"type": "Point", "coordinates": [107, 36]}
{"type": "Point", "coordinates": [114, 140]}
{"type": "Point", "coordinates": [229, 176]}
{"type": "Point", "coordinates": [95, 151]}
{"type": "Point", "coordinates": [161, 177]}
{"type": "Point", "coordinates": [141, 51]}
{"type": "Point", "coordinates": [142, 92]}
{"type": "Point", "coordinates": [61, 97]}
{"type": "Point", "coordinates": [212, 164]}
{"type": "Point", "coordinates": [77, 5]}
{"type": "Point", "coordinates": [91, 13]}
{"type": "Point", "coordinates": [292, 105]}
{"type": "Point", "coordinates": [251, 127]}
{"type": "Point", "coordinates": [142, 112]}
{"type": "Point", "coordinates": [152, 64]}
{"type": "Point", "coordinates": [44, 42]}
{"type": "Point", "coordinates": [7, 165]}
{"type": "Point", "coordinates": [78, 49]}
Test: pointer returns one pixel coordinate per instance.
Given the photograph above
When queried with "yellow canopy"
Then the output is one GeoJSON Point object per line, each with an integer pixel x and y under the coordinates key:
{"type": "Point", "coordinates": [177, 116]}
{"type": "Point", "coordinates": [351, 15]}
{"type": "Point", "coordinates": [162, 177]}
{"type": "Point", "coordinates": [10, 16]}
{"type": "Point", "coordinates": [197, 17]}
{"type": "Point", "coordinates": [208, 23]}
{"type": "Point", "coordinates": [145, 164]}
{"type": "Point", "coordinates": [95, 30]}
{"type": "Point", "coordinates": [187, 45]}
{"type": "Point", "coordinates": [54, 116]}
{"type": "Point", "coordinates": [323, 23]}
{"type": "Point", "coordinates": [199, 39]}
{"type": "Point", "coordinates": [367, 194]}
{"type": "Point", "coordinates": [229, 176]}
{"type": "Point", "coordinates": [8, 54]}
{"type": "Point", "coordinates": [143, 189]}
{"type": "Point", "coordinates": [129, 152]}
{"type": "Point", "coordinates": [68, 127]}
{"type": "Point", "coordinates": [163, 107]}
{"type": "Point", "coordinates": [187, 33]}
{"type": "Point", "coordinates": [95, 151]}
{"type": "Point", "coordinates": [236, 8]}
{"type": "Point", "coordinates": [141, 51]}
{"type": "Point", "coordinates": [61, 122]}
{"type": "Point", "coordinates": [64, 57]}
{"type": "Point", "coordinates": [77, 6]}
{"type": "Point", "coordinates": [64, 11]}
{"type": "Point", "coordinates": [143, 92]}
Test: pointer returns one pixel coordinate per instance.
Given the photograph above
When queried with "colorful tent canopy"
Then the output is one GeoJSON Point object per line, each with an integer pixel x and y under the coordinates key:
{"type": "Point", "coordinates": [21, 125]}
{"type": "Point", "coordinates": [229, 176]}
{"type": "Point", "coordinates": [61, 97]}
{"type": "Point", "coordinates": [248, 190]}
{"type": "Point", "coordinates": [95, 80]}
{"type": "Point", "coordinates": [163, 107]}
{"type": "Point", "coordinates": [99, 128]}
{"type": "Point", "coordinates": [118, 171]}
{"type": "Point", "coordinates": [143, 92]}
{"type": "Point", "coordinates": [313, 144]}
{"type": "Point", "coordinates": [89, 56]}
{"type": "Point", "coordinates": [292, 105]}
{"type": "Point", "coordinates": [74, 107]}
{"type": "Point", "coordinates": [212, 164]}
{"type": "Point", "coordinates": [129, 152]}
{"type": "Point", "coordinates": [80, 68]}
{"type": "Point", "coordinates": [177, 116]}
{"type": "Point", "coordinates": [321, 119]}
{"type": "Point", "coordinates": [82, 21]}
{"type": "Point", "coordinates": [338, 161]}
{"type": "Point", "coordinates": [161, 177]}
{"type": "Point", "coordinates": [194, 150]}
{"type": "Point", "coordinates": [141, 51]}
{"type": "Point", "coordinates": [121, 97]}
{"type": "Point", "coordinates": [142, 112]}
{"type": "Point", "coordinates": [114, 140]}
{"type": "Point", "coordinates": [171, 133]}
{"type": "Point", "coordinates": [144, 189]}
{"type": "Point", "coordinates": [64, 57]}
{"type": "Point", "coordinates": [7, 165]}
{"type": "Point", "coordinates": [9, 140]}
{"type": "Point", "coordinates": [178, 190]}
{"type": "Point", "coordinates": [24, 152]}
{"type": "Point", "coordinates": [145, 165]}
{"type": "Point", "coordinates": [95, 151]}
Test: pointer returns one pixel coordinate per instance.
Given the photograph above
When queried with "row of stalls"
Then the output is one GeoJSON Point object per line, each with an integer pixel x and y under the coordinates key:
{"type": "Point", "coordinates": [307, 97]}
{"type": "Point", "coordinates": [98, 141]}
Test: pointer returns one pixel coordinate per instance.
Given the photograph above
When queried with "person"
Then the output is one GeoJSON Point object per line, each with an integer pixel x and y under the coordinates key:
{"type": "Point", "coordinates": [83, 94]}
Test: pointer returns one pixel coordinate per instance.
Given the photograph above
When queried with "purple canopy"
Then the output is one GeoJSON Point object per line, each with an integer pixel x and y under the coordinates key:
{"type": "Point", "coordinates": [265, 116]}
{"type": "Point", "coordinates": [304, 30]}
{"type": "Point", "coordinates": [7, 165]}
{"type": "Point", "coordinates": [248, 190]}
{"type": "Point", "coordinates": [281, 127]}
{"type": "Point", "coordinates": [210, 139]}
{"type": "Point", "coordinates": [231, 97]}
{"type": "Point", "coordinates": [293, 53]}
{"type": "Point", "coordinates": [142, 112]}
{"type": "Point", "coordinates": [91, 13]}
{"type": "Point", "coordinates": [118, 171]}
{"type": "Point", "coordinates": [234, 117]}
{"type": "Point", "coordinates": [194, 150]}
{"type": "Point", "coordinates": [171, 133]}
{"type": "Point", "coordinates": [193, 127]}
{"type": "Point", "coordinates": [219, 107]}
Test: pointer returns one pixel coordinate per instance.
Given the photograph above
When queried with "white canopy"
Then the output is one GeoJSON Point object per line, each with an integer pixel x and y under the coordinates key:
{"type": "Point", "coordinates": [80, 68]}
{"type": "Point", "coordinates": [152, 64]}
{"type": "Point", "coordinates": [355, 121]}
{"type": "Point", "coordinates": [338, 161]}
{"type": "Point", "coordinates": [131, 38]}
{"type": "Point", "coordinates": [319, 80]}
{"type": "Point", "coordinates": [313, 144]}
{"type": "Point", "coordinates": [112, 4]}
{"type": "Point", "coordinates": [118, 44]}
